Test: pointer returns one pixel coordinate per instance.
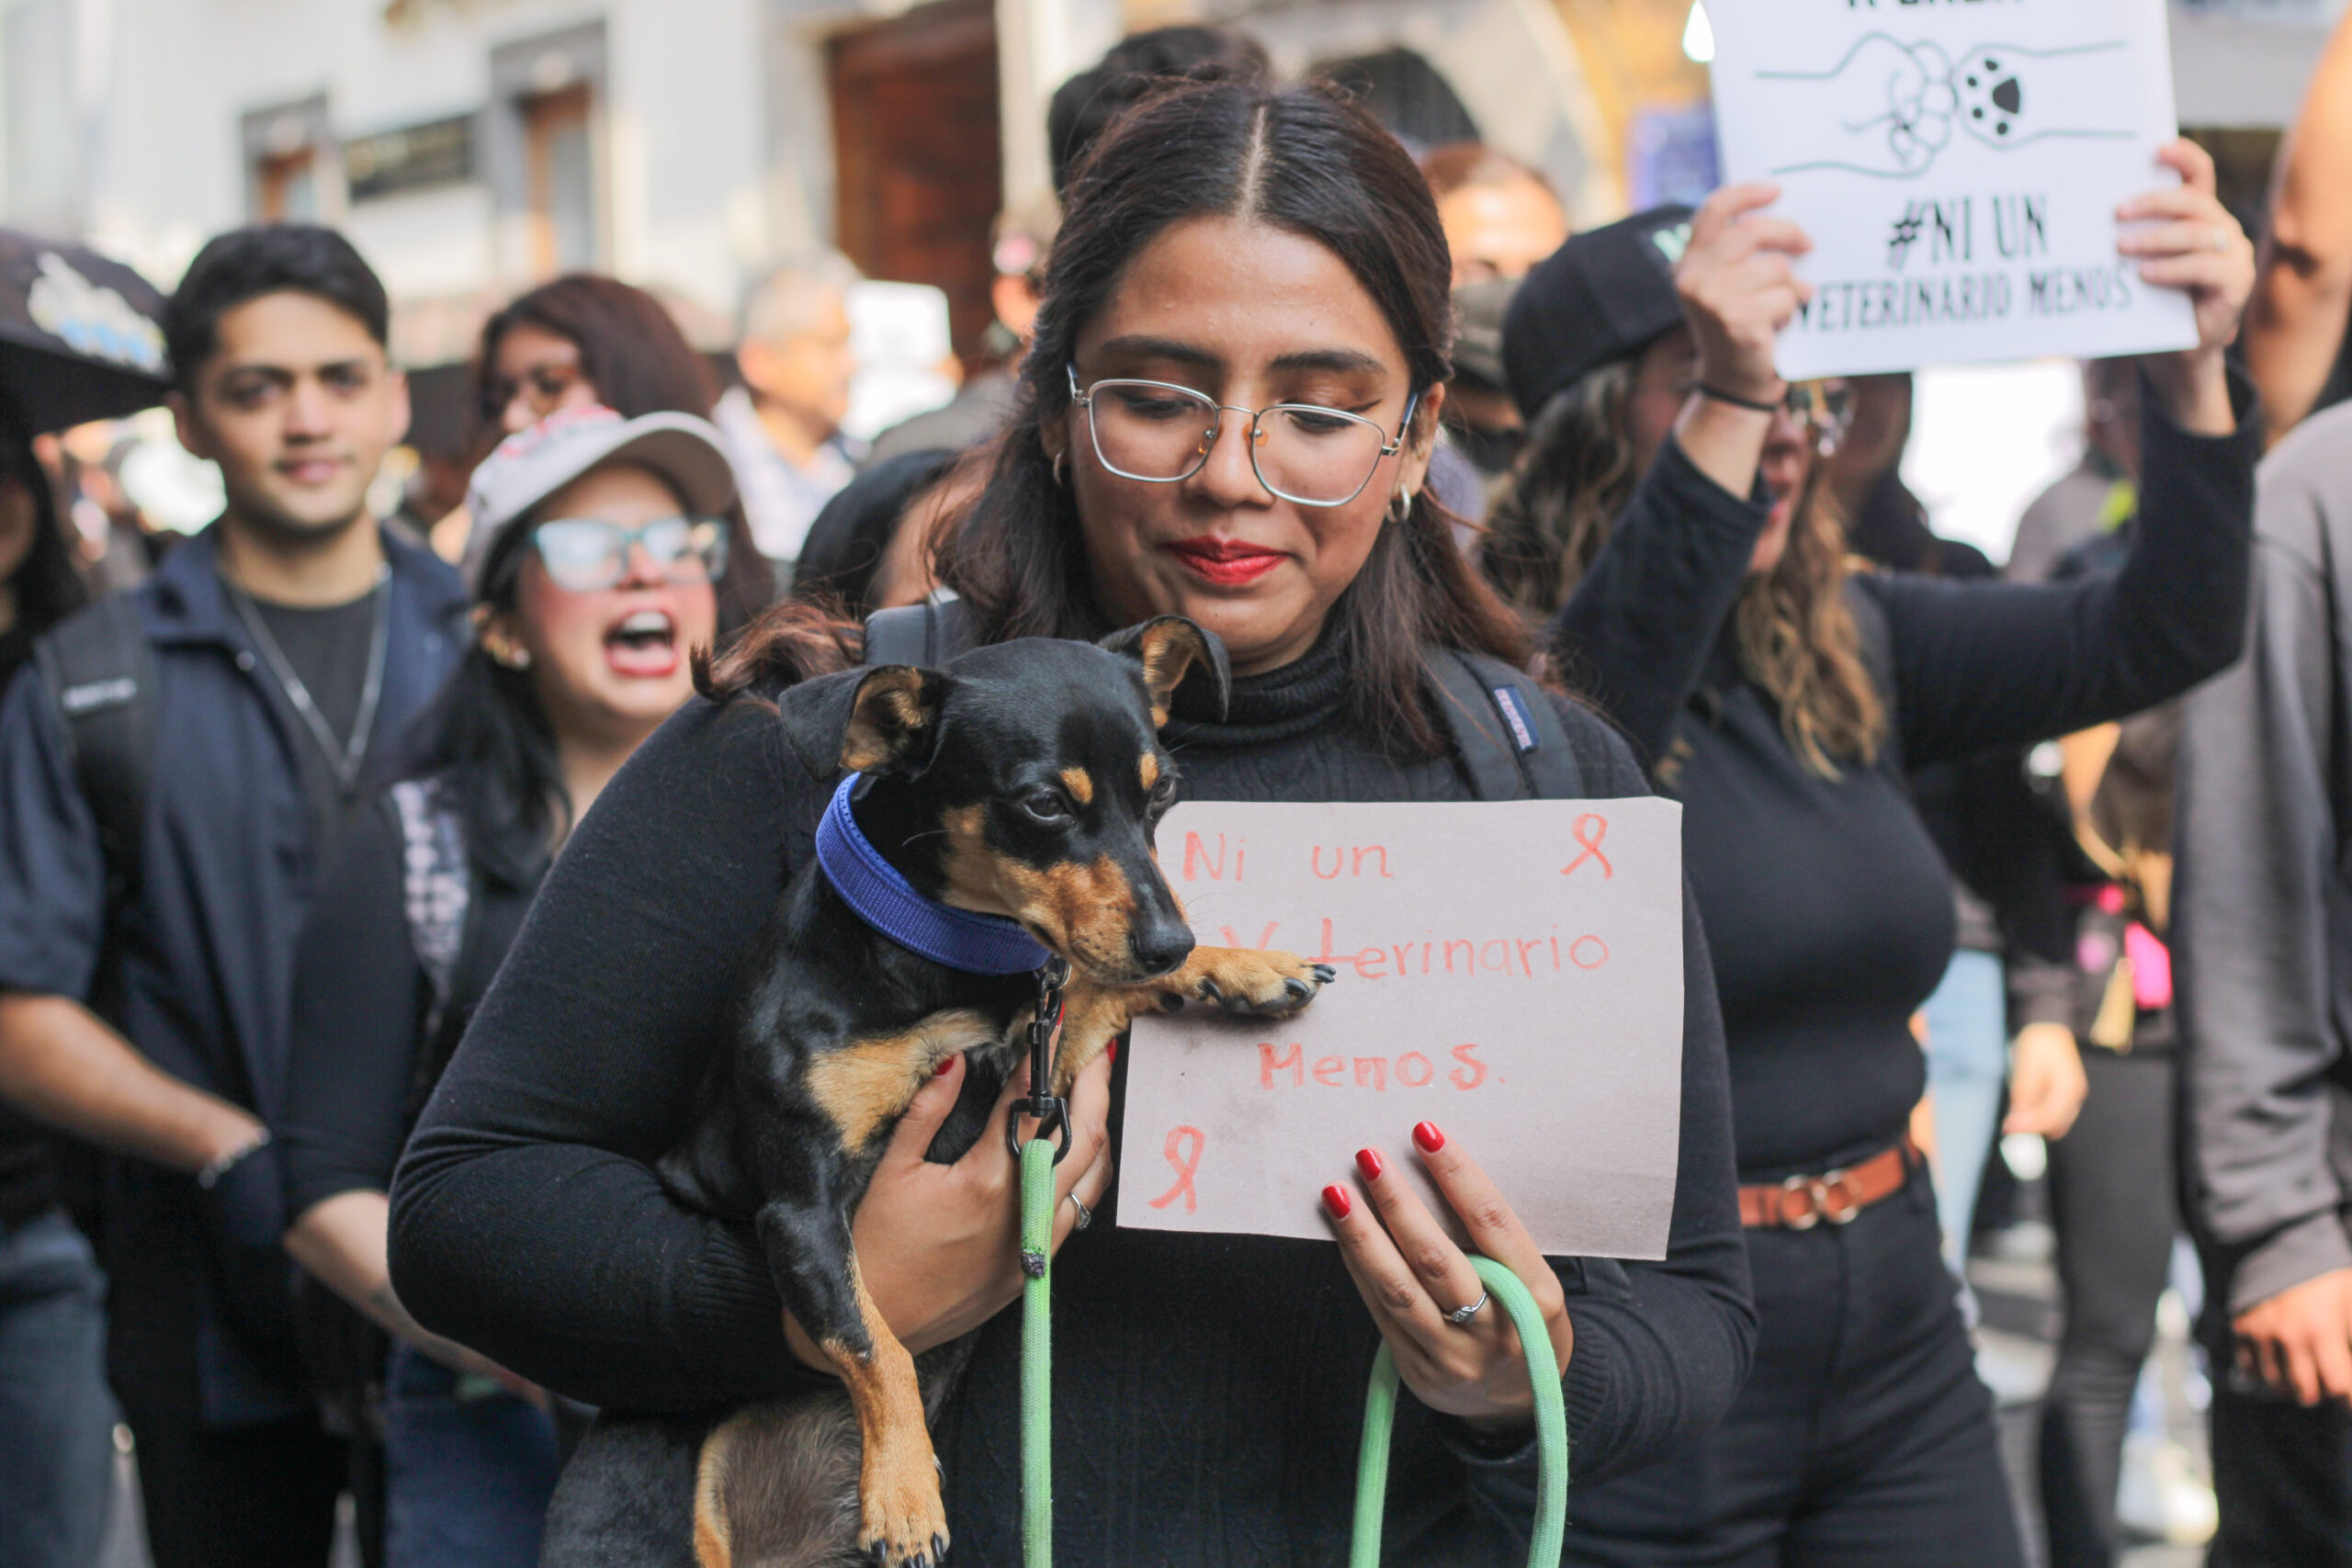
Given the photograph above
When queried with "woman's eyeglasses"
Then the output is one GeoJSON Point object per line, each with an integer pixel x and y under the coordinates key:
{"type": "Point", "coordinates": [1823, 408]}
{"type": "Point", "coordinates": [585, 555]}
{"type": "Point", "coordinates": [1162, 434]}
{"type": "Point", "coordinates": [542, 388]}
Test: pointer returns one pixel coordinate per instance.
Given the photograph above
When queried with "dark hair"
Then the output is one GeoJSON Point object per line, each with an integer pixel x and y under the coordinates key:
{"type": "Point", "coordinates": [633, 353]}
{"type": "Point", "coordinates": [47, 587]}
{"type": "Point", "coordinates": [630, 348]}
{"type": "Point", "coordinates": [851, 536]}
{"type": "Point", "coordinates": [1134, 68]}
{"type": "Point", "coordinates": [266, 258]}
{"type": "Point", "coordinates": [1306, 160]}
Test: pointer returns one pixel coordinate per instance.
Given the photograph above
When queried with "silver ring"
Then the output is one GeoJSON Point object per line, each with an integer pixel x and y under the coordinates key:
{"type": "Point", "coordinates": [2221, 238]}
{"type": "Point", "coordinates": [1461, 1317]}
{"type": "Point", "coordinates": [1085, 1214]}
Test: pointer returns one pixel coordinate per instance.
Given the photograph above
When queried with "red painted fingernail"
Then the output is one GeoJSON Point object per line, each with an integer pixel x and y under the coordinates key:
{"type": "Point", "coordinates": [1368, 1161]}
{"type": "Point", "coordinates": [1336, 1198]}
{"type": "Point", "coordinates": [946, 1065]}
{"type": "Point", "coordinates": [1113, 1049]}
{"type": "Point", "coordinates": [1426, 1134]}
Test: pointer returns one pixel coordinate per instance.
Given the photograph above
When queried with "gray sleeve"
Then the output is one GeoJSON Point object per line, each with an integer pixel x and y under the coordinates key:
{"type": "Point", "coordinates": [2255, 912]}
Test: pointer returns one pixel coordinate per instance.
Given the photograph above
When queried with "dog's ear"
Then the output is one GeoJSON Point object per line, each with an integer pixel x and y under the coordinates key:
{"type": "Point", "coordinates": [894, 720]}
{"type": "Point", "coordinates": [1168, 647]}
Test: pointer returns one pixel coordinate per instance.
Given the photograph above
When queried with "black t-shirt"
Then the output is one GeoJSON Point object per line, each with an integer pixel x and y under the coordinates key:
{"type": "Point", "coordinates": [328, 647]}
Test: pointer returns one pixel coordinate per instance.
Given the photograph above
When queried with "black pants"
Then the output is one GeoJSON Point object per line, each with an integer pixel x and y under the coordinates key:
{"type": "Point", "coordinates": [2284, 1477]}
{"type": "Point", "coordinates": [240, 1496]}
{"type": "Point", "coordinates": [1864, 1437]}
{"type": "Point", "coordinates": [2113, 1204]}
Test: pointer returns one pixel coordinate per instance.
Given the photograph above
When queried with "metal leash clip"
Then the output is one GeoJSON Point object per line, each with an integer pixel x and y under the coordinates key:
{"type": "Point", "coordinates": [1051, 1110]}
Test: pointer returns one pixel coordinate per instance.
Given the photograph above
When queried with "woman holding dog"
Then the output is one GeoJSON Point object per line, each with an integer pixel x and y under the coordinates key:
{"type": "Point", "coordinates": [1242, 248]}
{"type": "Point", "coordinates": [594, 544]}
{"type": "Point", "coordinates": [1669, 486]}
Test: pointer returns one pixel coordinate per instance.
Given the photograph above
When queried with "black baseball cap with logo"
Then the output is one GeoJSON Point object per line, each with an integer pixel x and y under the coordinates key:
{"type": "Point", "coordinates": [1605, 296]}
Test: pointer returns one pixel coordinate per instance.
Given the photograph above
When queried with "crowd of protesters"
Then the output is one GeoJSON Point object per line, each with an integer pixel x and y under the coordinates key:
{"type": "Point", "coordinates": [328, 1173]}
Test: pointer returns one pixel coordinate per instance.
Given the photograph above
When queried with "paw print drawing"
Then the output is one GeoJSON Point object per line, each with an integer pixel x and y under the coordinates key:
{"type": "Point", "coordinates": [1887, 108]}
{"type": "Point", "coordinates": [2010, 96]}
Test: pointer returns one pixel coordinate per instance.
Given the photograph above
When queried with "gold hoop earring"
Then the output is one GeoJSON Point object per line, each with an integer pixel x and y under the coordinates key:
{"type": "Point", "coordinates": [1060, 478]}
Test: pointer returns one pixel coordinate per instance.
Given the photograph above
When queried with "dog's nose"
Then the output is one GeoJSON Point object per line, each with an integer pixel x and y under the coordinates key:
{"type": "Point", "coordinates": [1161, 946]}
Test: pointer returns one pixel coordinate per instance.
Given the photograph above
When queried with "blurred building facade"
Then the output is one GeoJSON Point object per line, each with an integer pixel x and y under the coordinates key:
{"type": "Point", "coordinates": [473, 146]}
{"type": "Point", "coordinates": [470, 147]}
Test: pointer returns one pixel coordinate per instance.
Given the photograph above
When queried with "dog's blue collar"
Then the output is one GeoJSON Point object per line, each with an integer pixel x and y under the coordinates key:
{"type": "Point", "coordinates": [883, 898]}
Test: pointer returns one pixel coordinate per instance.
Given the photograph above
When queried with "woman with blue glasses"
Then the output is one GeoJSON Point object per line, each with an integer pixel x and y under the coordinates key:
{"type": "Point", "coordinates": [596, 542]}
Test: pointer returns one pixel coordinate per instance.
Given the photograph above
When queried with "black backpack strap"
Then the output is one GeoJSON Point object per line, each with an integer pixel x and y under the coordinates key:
{"type": "Point", "coordinates": [1506, 731]}
{"type": "Point", "coordinates": [929, 633]}
{"type": "Point", "coordinates": [100, 671]}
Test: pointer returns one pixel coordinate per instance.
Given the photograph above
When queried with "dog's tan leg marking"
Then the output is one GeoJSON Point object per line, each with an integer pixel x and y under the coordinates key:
{"type": "Point", "coordinates": [713, 1545]}
{"type": "Point", "coordinates": [901, 1513]}
{"type": "Point", "coordinates": [1240, 979]}
{"type": "Point", "coordinates": [864, 1084]}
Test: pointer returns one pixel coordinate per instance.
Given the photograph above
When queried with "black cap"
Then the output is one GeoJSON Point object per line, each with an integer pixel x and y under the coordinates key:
{"type": "Point", "coordinates": [1605, 296]}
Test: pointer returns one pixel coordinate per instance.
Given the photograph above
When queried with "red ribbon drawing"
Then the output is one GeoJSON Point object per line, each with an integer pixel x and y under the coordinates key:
{"type": "Point", "coordinates": [1588, 831]}
{"type": "Point", "coordinates": [1184, 1163]}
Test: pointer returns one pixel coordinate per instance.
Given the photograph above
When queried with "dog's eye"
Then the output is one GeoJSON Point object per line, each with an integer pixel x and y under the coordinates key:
{"type": "Point", "coordinates": [1163, 795]}
{"type": "Point", "coordinates": [1046, 807]}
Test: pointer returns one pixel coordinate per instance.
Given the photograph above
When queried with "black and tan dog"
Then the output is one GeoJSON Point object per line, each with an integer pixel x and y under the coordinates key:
{"type": "Point", "coordinates": [1024, 780]}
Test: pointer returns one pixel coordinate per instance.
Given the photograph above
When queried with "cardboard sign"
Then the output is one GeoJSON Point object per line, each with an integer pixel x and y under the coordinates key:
{"type": "Point", "coordinates": [1511, 971]}
{"type": "Point", "coordinates": [1958, 168]}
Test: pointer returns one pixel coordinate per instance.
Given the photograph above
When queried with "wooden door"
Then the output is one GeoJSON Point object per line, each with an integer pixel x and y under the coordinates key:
{"type": "Point", "coordinates": [916, 147]}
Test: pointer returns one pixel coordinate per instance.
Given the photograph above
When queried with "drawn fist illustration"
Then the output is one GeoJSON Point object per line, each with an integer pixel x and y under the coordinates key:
{"type": "Point", "coordinates": [1885, 109]}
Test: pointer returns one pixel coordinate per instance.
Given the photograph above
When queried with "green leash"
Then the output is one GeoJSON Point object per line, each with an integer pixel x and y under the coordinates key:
{"type": "Point", "coordinates": [1041, 1153]}
{"type": "Point", "coordinates": [1037, 1353]}
{"type": "Point", "coordinates": [1551, 1429]}
{"type": "Point", "coordinates": [1037, 1204]}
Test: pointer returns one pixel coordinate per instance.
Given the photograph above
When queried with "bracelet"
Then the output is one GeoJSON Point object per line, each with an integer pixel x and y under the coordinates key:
{"type": "Point", "coordinates": [222, 1165]}
{"type": "Point", "coordinates": [1736, 400]}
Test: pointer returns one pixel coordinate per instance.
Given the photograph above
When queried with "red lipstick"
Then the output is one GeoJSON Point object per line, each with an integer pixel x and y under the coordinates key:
{"type": "Point", "coordinates": [1229, 563]}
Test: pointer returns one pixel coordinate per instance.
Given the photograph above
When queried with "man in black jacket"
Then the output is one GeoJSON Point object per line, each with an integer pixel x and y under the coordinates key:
{"type": "Point", "coordinates": [284, 645]}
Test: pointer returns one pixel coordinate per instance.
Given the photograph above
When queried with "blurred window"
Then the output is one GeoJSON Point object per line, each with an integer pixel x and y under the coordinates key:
{"type": "Point", "coordinates": [37, 121]}
{"type": "Point", "coordinates": [561, 179]}
{"type": "Point", "coordinates": [287, 188]}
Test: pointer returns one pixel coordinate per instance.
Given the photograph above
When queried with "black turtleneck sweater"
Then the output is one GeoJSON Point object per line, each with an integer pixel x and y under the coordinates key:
{"type": "Point", "coordinates": [1826, 906]}
{"type": "Point", "coordinates": [1208, 1389]}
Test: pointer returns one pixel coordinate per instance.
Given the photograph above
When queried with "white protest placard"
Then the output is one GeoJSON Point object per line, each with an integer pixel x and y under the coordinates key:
{"type": "Point", "coordinates": [1511, 971]}
{"type": "Point", "coordinates": [1958, 167]}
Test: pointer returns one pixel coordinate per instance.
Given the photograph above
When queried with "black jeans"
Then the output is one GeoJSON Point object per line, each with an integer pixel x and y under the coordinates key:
{"type": "Point", "coordinates": [2284, 1477]}
{"type": "Point", "coordinates": [239, 1496]}
{"type": "Point", "coordinates": [1864, 1437]}
{"type": "Point", "coordinates": [2112, 1202]}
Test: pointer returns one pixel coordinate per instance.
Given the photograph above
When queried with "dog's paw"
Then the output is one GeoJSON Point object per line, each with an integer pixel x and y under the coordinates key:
{"type": "Point", "coordinates": [902, 1523]}
{"type": "Point", "coordinates": [1266, 983]}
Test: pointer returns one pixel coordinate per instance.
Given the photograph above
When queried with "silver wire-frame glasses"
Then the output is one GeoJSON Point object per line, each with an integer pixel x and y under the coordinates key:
{"type": "Point", "coordinates": [1160, 433]}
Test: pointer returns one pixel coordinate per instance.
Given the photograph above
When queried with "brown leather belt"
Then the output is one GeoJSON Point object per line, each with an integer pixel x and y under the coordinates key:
{"type": "Point", "coordinates": [1804, 1201]}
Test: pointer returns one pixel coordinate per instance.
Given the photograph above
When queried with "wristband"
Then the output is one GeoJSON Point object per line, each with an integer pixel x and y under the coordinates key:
{"type": "Point", "coordinates": [222, 1165]}
{"type": "Point", "coordinates": [1736, 400]}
